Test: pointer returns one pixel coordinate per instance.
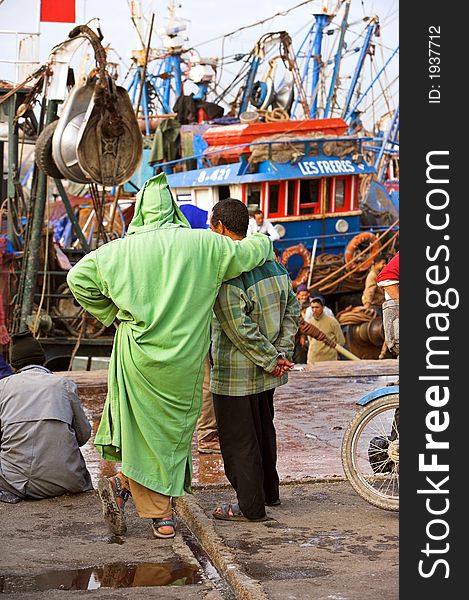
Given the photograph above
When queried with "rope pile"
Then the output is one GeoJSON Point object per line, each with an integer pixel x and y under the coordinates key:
{"type": "Point", "coordinates": [356, 315]}
{"type": "Point", "coordinates": [326, 264]}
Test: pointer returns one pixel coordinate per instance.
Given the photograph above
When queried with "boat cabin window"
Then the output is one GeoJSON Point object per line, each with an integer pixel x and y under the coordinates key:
{"type": "Point", "coordinates": [253, 196]}
{"type": "Point", "coordinates": [223, 192]}
{"type": "Point", "coordinates": [291, 198]}
{"type": "Point", "coordinates": [309, 196]}
{"type": "Point", "coordinates": [339, 194]}
{"type": "Point", "coordinates": [274, 196]}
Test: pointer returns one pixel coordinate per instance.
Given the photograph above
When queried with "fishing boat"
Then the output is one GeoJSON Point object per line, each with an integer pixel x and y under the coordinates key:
{"type": "Point", "coordinates": [303, 157]}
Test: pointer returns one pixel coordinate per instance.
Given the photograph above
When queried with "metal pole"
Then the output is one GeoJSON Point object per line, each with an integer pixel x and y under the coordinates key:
{"type": "Point", "coordinates": [338, 57]}
{"type": "Point", "coordinates": [378, 165]}
{"type": "Point", "coordinates": [71, 215]}
{"type": "Point", "coordinates": [32, 259]}
{"type": "Point", "coordinates": [361, 59]}
{"type": "Point", "coordinates": [34, 248]}
{"type": "Point", "coordinates": [371, 85]}
{"type": "Point", "coordinates": [321, 21]}
{"type": "Point", "coordinates": [13, 178]}
{"type": "Point", "coordinates": [249, 84]}
{"type": "Point", "coordinates": [297, 98]}
{"type": "Point", "coordinates": [144, 68]}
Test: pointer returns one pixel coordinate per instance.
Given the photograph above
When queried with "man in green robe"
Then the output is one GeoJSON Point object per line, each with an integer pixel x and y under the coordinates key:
{"type": "Point", "coordinates": [160, 283]}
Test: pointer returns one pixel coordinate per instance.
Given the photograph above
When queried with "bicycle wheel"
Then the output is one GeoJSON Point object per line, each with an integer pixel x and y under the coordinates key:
{"type": "Point", "coordinates": [370, 452]}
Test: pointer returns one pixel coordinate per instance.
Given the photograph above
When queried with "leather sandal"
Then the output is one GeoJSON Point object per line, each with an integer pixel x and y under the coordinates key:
{"type": "Point", "coordinates": [232, 512]}
{"type": "Point", "coordinates": [113, 498]}
{"type": "Point", "coordinates": [157, 523]}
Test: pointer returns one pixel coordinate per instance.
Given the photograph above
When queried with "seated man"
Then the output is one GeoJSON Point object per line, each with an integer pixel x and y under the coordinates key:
{"type": "Point", "coordinates": [259, 224]}
{"type": "Point", "coordinates": [318, 351]}
{"type": "Point", "coordinates": [252, 341]}
{"type": "Point", "coordinates": [42, 426]}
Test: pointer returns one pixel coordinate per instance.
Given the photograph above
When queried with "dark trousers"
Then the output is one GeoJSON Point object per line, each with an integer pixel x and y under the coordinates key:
{"type": "Point", "coordinates": [248, 445]}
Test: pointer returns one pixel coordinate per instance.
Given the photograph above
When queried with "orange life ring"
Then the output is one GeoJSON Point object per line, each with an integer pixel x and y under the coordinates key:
{"type": "Point", "coordinates": [302, 251]}
{"type": "Point", "coordinates": [362, 241]}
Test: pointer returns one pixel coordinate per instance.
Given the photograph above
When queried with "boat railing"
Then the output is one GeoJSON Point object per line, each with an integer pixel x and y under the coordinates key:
{"type": "Point", "coordinates": [304, 239]}
{"type": "Point", "coordinates": [307, 142]}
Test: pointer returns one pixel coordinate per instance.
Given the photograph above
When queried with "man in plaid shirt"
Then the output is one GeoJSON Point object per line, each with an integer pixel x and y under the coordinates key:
{"type": "Point", "coordinates": [253, 337]}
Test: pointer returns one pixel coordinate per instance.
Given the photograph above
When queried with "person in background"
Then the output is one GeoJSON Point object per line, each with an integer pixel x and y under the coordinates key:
{"type": "Point", "coordinates": [259, 224]}
{"type": "Point", "coordinates": [318, 351]}
{"type": "Point", "coordinates": [373, 295]}
{"type": "Point", "coordinates": [308, 314]}
{"type": "Point", "coordinates": [42, 426]}
{"type": "Point", "coordinates": [300, 352]}
{"type": "Point", "coordinates": [388, 279]}
{"type": "Point", "coordinates": [253, 333]}
{"type": "Point", "coordinates": [159, 283]}
{"type": "Point", "coordinates": [302, 295]}
{"type": "Point", "coordinates": [207, 431]}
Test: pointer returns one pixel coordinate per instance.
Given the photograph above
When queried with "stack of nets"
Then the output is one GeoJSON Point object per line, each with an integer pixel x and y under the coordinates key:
{"type": "Point", "coordinates": [289, 150]}
{"type": "Point", "coordinates": [355, 315]}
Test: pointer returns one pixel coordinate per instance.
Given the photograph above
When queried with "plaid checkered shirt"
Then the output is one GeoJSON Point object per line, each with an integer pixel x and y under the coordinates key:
{"type": "Point", "coordinates": [256, 319]}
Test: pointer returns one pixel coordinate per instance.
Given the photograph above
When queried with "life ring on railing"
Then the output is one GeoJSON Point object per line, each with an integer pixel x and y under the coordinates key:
{"type": "Point", "coordinates": [302, 251]}
{"type": "Point", "coordinates": [358, 244]}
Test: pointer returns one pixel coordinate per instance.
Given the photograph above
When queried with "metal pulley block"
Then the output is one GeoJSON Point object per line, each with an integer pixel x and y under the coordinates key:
{"type": "Point", "coordinates": [97, 137]}
{"type": "Point", "coordinates": [110, 142]}
{"type": "Point", "coordinates": [66, 134]}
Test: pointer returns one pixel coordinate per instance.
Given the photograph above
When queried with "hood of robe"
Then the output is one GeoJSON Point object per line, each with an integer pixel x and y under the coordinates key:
{"type": "Point", "coordinates": [155, 207]}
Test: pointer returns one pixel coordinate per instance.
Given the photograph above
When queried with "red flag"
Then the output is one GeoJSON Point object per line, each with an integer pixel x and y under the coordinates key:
{"type": "Point", "coordinates": [58, 11]}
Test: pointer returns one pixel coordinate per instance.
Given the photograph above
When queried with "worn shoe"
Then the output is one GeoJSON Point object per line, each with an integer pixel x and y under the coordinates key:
{"type": "Point", "coordinates": [274, 503]}
{"type": "Point", "coordinates": [9, 498]}
{"type": "Point", "coordinates": [159, 524]}
{"type": "Point", "coordinates": [113, 498]}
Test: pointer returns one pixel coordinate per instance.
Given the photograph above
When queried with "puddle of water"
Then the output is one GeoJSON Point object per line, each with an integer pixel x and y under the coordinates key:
{"type": "Point", "coordinates": [114, 575]}
{"type": "Point", "coordinates": [202, 558]}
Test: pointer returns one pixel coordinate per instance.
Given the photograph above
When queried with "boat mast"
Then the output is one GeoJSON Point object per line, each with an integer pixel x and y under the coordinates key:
{"type": "Point", "coordinates": [380, 164]}
{"type": "Point", "coordinates": [333, 87]}
{"type": "Point", "coordinates": [322, 20]}
{"type": "Point", "coordinates": [373, 25]}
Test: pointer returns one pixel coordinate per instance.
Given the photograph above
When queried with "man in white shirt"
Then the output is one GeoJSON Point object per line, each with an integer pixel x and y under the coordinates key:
{"type": "Point", "coordinates": [258, 224]}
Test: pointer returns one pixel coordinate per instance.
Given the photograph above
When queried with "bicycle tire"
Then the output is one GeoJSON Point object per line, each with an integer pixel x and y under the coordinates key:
{"type": "Point", "coordinates": [379, 489]}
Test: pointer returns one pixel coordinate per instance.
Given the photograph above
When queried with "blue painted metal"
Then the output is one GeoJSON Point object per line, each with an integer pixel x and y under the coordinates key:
{"type": "Point", "coordinates": [256, 61]}
{"type": "Point", "coordinates": [379, 393]}
{"type": "Point", "coordinates": [321, 21]}
{"type": "Point", "coordinates": [338, 57]}
{"type": "Point", "coordinates": [380, 165]}
{"type": "Point", "coordinates": [366, 44]}
{"type": "Point", "coordinates": [358, 102]}
{"type": "Point", "coordinates": [305, 231]}
{"type": "Point", "coordinates": [311, 167]}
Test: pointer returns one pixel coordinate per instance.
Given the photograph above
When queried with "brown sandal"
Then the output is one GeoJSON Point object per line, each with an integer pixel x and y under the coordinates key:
{"type": "Point", "coordinates": [157, 523]}
{"type": "Point", "coordinates": [232, 512]}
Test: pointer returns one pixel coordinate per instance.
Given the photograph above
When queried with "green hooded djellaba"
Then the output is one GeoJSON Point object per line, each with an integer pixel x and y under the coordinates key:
{"type": "Point", "coordinates": [160, 283]}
